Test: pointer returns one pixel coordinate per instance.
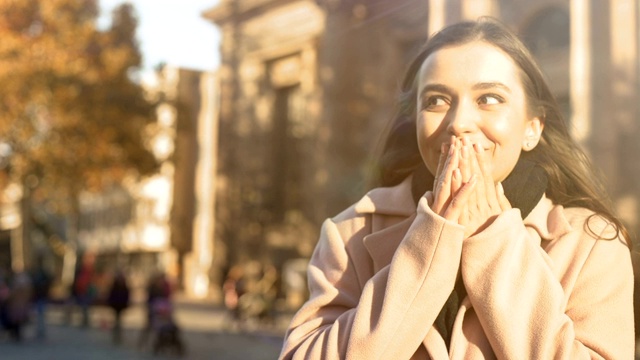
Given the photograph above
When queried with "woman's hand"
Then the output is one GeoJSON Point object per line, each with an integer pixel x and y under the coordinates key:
{"type": "Point", "coordinates": [488, 199]}
{"type": "Point", "coordinates": [450, 195]}
{"type": "Point", "coordinates": [464, 190]}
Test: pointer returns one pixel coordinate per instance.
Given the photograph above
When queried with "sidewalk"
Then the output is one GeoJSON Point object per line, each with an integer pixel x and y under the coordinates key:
{"type": "Point", "coordinates": [204, 332]}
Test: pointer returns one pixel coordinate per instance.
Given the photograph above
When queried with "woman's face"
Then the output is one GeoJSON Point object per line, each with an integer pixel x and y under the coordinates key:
{"type": "Point", "coordinates": [474, 90]}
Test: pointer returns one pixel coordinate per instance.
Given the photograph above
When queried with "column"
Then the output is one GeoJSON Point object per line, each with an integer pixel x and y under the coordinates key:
{"type": "Point", "coordinates": [580, 68]}
{"type": "Point", "coordinates": [473, 9]}
{"type": "Point", "coordinates": [624, 62]}
{"type": "Point", "coordinates": [437, 15]}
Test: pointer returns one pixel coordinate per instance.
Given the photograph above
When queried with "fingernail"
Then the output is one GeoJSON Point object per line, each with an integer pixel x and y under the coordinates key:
{"type": "Point", "coordinates": [476, 147]}
{"type": "Point", "coordinates": [500, 189]}
{"type": "Point", "coordinates": [456, 174]}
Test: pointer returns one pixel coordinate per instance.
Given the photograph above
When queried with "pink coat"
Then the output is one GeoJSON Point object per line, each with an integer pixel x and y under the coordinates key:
{"type": "Point", "coordinates": [545, 289]}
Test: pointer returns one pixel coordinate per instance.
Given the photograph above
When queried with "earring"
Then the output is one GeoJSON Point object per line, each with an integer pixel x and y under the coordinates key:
{"type": "Point", "coordinates": [528, 145]}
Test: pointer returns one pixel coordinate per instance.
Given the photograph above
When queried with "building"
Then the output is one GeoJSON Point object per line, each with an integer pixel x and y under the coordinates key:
{"type": "Point", "coordinates": [305, 86]}
{"type": "Point", "coordinates": [176, 206]}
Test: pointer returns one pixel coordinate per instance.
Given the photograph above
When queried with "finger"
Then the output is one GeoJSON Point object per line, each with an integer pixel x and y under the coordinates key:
{"type": "Point", "coordinates": [441, 159]}
{"type": "Point", "coordinates": [465, 169]}
{"type": "Point", "coordinates": [487, 174]}
{"type": "Point", "coordinates": [489, 193]}
{"type": "Point", "coordinates": [459, 201]}
{"type": "Point", "coordinates": [481, 191]}
{"type": "Point", "coordinates": [442, 184]}
{"type": "Point", "coordinates": [446, 152]}
{"type": "Point", "coordinates": [455, 162]}
{"type": "Point", "coordinates": [456, 182]}
{"type": "Point", "coordinates": [502, 198]}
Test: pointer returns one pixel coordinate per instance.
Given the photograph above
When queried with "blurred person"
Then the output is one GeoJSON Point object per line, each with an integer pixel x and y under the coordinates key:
{"type": "Point", "coordinates": [167, 336]}
{"type": "Point", "coordinates": [5, 292]}
{"type": "Point", "coordinates": [118, 300]}
{"type": "Point", "coordinates": [233, 288]}
{"type": "Point", "coordinates": [158, 290]}
{"type": "Point", "coordinates": [489, 235]}
{"type": "Point", "coordinates": [41, 280]}
{"type": "Point", "coordinates": [84, 287]}
{"type": "Point", "coordinates": [17, 305]}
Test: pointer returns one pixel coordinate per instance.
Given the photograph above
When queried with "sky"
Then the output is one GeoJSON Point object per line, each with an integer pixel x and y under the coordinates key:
{"type": "Point", "coordinates": [173, 32]}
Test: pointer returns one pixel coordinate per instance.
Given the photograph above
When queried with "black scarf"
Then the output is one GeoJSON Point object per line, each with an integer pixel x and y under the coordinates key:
{"type": "Point", "coordinates": [523, 188]}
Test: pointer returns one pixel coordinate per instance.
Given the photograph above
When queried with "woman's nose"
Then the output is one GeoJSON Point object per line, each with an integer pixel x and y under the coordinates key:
{"type": "Point", "coordinates": [462, 118]}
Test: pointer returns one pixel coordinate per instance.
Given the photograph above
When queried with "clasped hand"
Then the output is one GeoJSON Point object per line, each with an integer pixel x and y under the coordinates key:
{"type": "Point", "coordinates": [464, 190]}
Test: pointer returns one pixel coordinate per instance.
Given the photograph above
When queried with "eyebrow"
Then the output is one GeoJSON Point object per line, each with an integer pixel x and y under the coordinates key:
{"type": "Point", "coordinates": [479, 86]}
{"type": "Point", "coordinates": [437, 88]}
{"type": "Point", "coordinates": [491, 85]}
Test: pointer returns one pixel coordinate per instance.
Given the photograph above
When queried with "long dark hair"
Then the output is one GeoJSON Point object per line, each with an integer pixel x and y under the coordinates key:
{"type": "Point", "coordinates": [573, 181]}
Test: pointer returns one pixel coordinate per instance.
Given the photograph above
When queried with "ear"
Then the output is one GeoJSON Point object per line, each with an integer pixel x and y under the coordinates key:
{"type": "Point", "coordinates": [532, 134]}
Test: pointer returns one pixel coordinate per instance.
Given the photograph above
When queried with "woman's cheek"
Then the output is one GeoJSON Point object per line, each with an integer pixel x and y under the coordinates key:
{"type": "Point", "coordinates": [428, 143]}
{"type": "Point", "coordinates": [500, 128]}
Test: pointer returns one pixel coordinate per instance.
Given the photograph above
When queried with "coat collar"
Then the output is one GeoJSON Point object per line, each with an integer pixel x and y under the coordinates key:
{"type": "Point", "coordinates": [546, 218]}
{"type": "Point", "coordinates": [396, 200]}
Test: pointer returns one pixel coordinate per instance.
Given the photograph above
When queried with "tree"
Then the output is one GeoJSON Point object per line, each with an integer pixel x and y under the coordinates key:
{"type": "Point", "coordinates": [71, 113]}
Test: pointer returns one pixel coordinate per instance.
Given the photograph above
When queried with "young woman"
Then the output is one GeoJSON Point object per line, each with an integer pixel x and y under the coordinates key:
{"type": "Point", "coordinates": [488, 236]}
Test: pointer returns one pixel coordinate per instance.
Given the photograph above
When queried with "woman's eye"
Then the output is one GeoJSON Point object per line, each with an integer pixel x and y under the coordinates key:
{"type": "Point", "coordinates": [490, 99]}
{"type": "Point", "coordinates": [434, 102]}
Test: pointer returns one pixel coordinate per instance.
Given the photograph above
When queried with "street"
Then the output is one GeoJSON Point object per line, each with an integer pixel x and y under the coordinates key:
{"type": "Point", "coordinates": [205, 331]}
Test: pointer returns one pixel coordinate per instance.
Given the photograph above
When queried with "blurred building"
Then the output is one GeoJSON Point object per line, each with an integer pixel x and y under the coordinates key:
{"type": "Point", "coordinates": [307, 85]}
{"type": "Point", "coordinates": [174, 214]}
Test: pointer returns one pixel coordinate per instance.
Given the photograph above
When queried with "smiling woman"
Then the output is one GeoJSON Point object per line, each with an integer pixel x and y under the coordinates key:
{"type": "Point", "coordinates": [473, 91]}
{"type": "Point", "coordinates": [487, 236]}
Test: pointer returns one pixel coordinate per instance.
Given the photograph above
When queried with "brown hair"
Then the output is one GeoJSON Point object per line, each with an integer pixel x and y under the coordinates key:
{"type": "Point", "coordinates": [573, 181]}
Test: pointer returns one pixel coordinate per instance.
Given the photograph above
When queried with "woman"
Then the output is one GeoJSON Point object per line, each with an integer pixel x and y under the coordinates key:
{"type": "Point", "coordinates": [488, 236]}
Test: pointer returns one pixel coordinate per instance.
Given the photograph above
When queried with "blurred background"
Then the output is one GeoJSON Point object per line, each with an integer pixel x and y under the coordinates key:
{"type": "Point", "coordinates": [204, 142]}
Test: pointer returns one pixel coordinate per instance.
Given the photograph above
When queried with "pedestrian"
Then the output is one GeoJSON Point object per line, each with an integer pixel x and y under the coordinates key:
{"type": "Point", "coordinates": [118, 301]}
{"type": "Point", "coordinates": [18, 304]}
{"type": "Point", "coordinates": [41, 280]}
{"type": "Point", "coordinates": [158, 291]}
{"type": "Point", "coordinates": [167, 333]}
{"type": "Point", "coordinates": [84, 286]}
{"type": "Point", "coordinates": [5, 292]}
{"type": "Point", "coordinates": [489, 234]}
{"type": "Point", "coordinates": [233, 288]}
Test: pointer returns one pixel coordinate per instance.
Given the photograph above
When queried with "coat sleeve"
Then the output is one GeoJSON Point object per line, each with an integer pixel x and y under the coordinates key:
{"type": "Point", "coordinates": [530, 310]}
{"type": "Point", "coordinates": [386, 317]}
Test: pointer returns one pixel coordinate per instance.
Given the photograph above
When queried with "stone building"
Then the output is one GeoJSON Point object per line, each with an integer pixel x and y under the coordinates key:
{"type": "Point", "coordinates": [307, 85]}
{"type": "Point", "coordinates": [305, 89]}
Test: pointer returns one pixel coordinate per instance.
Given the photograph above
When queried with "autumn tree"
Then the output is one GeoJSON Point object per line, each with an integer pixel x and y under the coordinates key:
{"type": "Point", "coordinates": [71, 112]}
